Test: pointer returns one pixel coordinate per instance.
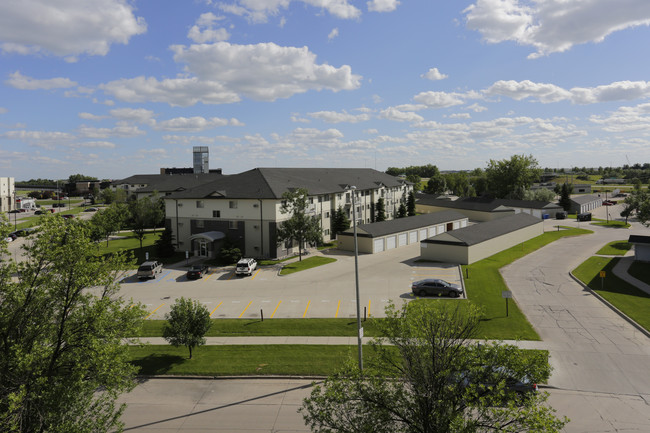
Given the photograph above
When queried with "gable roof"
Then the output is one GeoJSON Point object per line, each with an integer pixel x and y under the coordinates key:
{"type": "Point", "coordinates": [137, 179]}
{"type": "Point", "coordinates": [475, 204]}
{"type": "Point", "coordinates": [482, 232]}
{"type": "Point", "coordinates": [271, 183]}
{"type": "Point", "coordinates": [638, 239]}
{"type": "Point", "coordinates": [582, 199]}
{"type": "Point", "coordinates": [177, 182]}
{"type": "Point", "coordinates": [384, 228]}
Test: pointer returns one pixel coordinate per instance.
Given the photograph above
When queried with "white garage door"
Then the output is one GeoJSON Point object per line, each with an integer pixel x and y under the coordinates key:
{"type": "Point", "coordinates": [402, 239]}
{"type": "Point", "coordinates": [423, 234]}
{"type": "Point", "coordinates": [390, 242]}
{"type": "Point", "coordinates": [441, 229]}
{"type": "Point", "coordinates": [378, 245]}
{"type": "Point", "coordinates": [537, 213]}
{"type": "Point", "coordinates": [456, 225]}
{"type": "Point", "coordinates": [432, 231]}
{"type": "Point", "coordinates": [463, 223]}
{"type": "Point", "coordinates": [413, 237]}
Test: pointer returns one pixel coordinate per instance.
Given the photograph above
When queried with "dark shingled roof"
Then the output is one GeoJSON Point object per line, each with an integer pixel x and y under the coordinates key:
{"type": "Point", "coordinates": [271, 183]}
{"type": "Point", "coordinates": [483, 205]}
{"type": "Point", "coordinates": [137, 179]}
{"type": "Point", "coordinates": [482, 232]}
{"type": "Point", "coordinates": [179, 182]}
{"type": "Point", "coordinates": [384, 228]}
{"type": "Point", "coordinates": [638, 239]}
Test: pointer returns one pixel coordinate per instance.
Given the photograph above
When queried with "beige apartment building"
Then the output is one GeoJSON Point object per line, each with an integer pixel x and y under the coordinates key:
{"type": "Point", "coordinates": [245, 208]}
{"type": "Point", "coordinates": [7, 194]}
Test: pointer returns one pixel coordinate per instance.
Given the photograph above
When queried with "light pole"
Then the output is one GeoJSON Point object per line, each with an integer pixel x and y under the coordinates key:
{"type": "Point", "coordinates": [356, 275]}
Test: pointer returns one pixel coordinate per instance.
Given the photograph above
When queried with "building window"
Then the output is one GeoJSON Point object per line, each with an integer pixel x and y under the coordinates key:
{"type": "Point", "coordinates": [327, 197]}
{"type": "Point", "coordinates": [199, 224]}
{"type": "Point", "coordinates": [216, 214]}
{"type": "Point", "coordinates": [327, 214]}
{"type": "Point", "coordinates": [327, 232]}
{"type": "Point", "coordinates": [232, 225]}
{"type": "Point", "coordinates": [311, 200]}
{"type": "Point", "coordinates": [232, 204]}
{"type": "Point", "coordinates": [199, 203]}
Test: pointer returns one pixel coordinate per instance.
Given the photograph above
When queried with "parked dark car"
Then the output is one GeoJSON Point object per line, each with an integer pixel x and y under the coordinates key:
{"type": "Point", "coordinates": [489, 379]}
{"type": "Point", "coordinates": [560, 215]}
{"type": "Point", "coordinates": [68, 217]}
{"type": "Point", "coordinates": [196, 272]}
{"type": "Point", "coordinates": [435, 287]}
{"type": "Point", "coordinates": [585, 216]}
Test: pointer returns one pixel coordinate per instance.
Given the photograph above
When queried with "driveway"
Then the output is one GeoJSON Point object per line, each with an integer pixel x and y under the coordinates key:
{"type": "Point", "coordinates": [592, 348]}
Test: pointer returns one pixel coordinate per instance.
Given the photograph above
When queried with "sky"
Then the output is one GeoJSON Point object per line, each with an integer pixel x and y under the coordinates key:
{"type": "Point", "coordinates": [112, 88]}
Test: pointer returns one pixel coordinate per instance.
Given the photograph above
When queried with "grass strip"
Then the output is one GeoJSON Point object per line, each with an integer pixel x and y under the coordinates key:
{"type": "Point", "coordinates": [129, 243]}
{"type": "Point", "coordinates": [274, 327]}
{"type": "Point", "coordinates": [251, 360]}
{"type": "Point", "coordinates": [615, 248]}
{"type": "Point", "coordinates": [484, 284]}
{"type": "Point", "coordinates": [612, 223]}
{"type": "Point", "coordinates": [305, 264]}
{"type": "Point", "coordinates": [630, 300]}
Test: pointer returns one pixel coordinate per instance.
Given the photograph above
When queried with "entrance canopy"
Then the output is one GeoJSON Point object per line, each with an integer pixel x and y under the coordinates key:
{"type": "Point", "coordinates": [210, 236]}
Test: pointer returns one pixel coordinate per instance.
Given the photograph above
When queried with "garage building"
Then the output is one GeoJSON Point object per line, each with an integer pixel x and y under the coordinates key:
{"type": "Point", "coordinates": [476, 242]}
{"type": "Point", "coordinates": [386, 235]}
{"type": "Point", "coordinates": [641, 247]}
{"type": "Point", "coordinates": [585, 203]}
{"type": "Point", "coordinates": [476, 209]}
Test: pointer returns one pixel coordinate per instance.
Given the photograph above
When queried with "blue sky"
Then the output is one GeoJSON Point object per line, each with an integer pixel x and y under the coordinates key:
{"type": "Point", "coordinates": [111, 88]}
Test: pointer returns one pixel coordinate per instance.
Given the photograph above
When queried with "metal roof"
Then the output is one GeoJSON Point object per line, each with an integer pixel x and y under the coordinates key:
{"type": "Point", "coordinates": [482, 232]}
{"type": "Point", "coordinates": [398, 225]}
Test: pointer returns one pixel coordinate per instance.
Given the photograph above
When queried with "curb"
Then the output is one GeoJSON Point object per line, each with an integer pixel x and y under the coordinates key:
{"type": "Point", "coordinates": [171, 377]}
{"type": "Point", "coordinates": [612, 307]}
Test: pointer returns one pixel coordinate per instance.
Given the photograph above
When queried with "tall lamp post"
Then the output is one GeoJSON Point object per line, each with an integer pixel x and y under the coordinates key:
{"type": "Point", "coordinates": [356, 276]}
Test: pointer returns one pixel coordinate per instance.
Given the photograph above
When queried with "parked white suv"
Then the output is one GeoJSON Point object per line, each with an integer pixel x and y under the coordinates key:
{"type": "Point", "coordinates": [149, 270]}
{"type": "Point", "coordinates": [245, 267]}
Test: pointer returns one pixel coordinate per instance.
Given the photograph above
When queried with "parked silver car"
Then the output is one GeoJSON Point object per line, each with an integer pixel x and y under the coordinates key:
{"type": "Point", "coordinates": [149, 270]}
{"type": "Point", "coordinates": [436, 287]}
{"type": "Point", "coordinates": [245, 266]}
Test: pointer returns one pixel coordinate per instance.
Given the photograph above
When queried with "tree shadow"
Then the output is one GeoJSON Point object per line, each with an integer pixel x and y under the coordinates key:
{"type": "Point", "coordinates": [156, 364]}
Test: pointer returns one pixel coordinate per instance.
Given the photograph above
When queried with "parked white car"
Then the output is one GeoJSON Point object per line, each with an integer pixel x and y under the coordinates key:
{"type": "Point", "coordinates": [245, 266]}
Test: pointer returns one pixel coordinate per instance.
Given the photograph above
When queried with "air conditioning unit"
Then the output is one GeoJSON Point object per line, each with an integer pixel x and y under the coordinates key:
{"type": "Point", "coordinates": [180, 205]}
{"type": "Point", "coordinates": [256, 205]}
{"type": "Point", "coordinates": [256, 226]}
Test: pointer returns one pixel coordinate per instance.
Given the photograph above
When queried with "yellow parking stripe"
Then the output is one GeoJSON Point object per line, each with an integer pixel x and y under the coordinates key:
{"type": "Point", "coordinates": [305, 313]}
{"type": "Point", "coordinates": [150, 314]}
{"type": "Point", "coordinates": [276, 309]}
{"type": "Point", "coordinates": [368, 307]}
{"type": "Point", "coordinates": [207, 277]}
{"type": "Point", "coordinates": [231, 275]}
{"type": "Point", "coordinates": [258, 271]}
{"type": "Point", "coordinates": [242, 313]}
{"type": "Point", "coordinates": [216, 308]}
{"type": "Point", "coordinates": [337, 309]}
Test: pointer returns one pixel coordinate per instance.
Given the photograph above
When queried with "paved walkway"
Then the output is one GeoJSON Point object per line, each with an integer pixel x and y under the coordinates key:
{"type": "Point", "coordinates": [621, 270]}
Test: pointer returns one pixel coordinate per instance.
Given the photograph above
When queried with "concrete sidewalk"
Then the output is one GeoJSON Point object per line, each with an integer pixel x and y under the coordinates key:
{"type": "Point", "coordinates": [621, 270]}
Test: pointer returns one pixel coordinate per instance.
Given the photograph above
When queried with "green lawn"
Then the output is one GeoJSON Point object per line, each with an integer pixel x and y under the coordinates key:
{"type": "Point", "coordinates": [130, 244]}
{"type": "Point", "coordinates": [304, 264]}
{"type": "Point", "coordinates": [612, 223]}
{"type": "Point", "coordinates": [616, 248]}
{"type": "Point", "coordinates": [640, 271]}
{"type": "Point", "coordinates": [627, 298]}
{"type": "Point", "coordinates": [274, 327]}
{"type": "Point", "coordinates": [485, 284]}
{"type": "Point", "coordinates": [249, 360]}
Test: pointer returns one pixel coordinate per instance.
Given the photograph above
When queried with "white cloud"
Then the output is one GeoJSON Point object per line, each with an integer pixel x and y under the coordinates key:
{"type": "Point", "coordinates": [44, 139]}
{"type": "Point", "coordinates": [117, 131]}
{"type": "Point", "coordinates": [194, 124]}
{"type": "Point", "coordinates": [476, 108]}
{"type": "Point", "coordinates": [382, 5]}
{"type": "Point", "coordinates": [626, 119]}
{"type": "Point", "coordinates": [260, 10]}
{"type": "Point", "coordinates": [434, 74]}
{"type": "Point", "coordinates": [372, 131]}
{"type": "Point", "coordinates": [22, 82]}
{"type": "Point", "coordinates": [66, 28]}
{"type": "Point", "coordinates": [96, 145]}
{"type": "Point", "coordinates": [393, 113]}
{"type": "Point", "coordinates": [550, 26]}
{"type": "Point", "coordinates": [90, 116]}
{"type": "Point", "coordinates": [333, 34]}
{"type": "Point", "coordinates": [204, 30]}
{"type": "Point", "coordinates": [134, 115]}
{"type": "Point", "coordinates": [336, 117]}
{"type": "Point", "coordinates": [225, 72]}
{"type": "Point", "coordinates": [519, 90]}
{"type": "Point", "coordinates": [460, 116]}
{"type": "Point", "coordinates": [3, 110]}
{"type": "Point", "coordinates": [438, 99]}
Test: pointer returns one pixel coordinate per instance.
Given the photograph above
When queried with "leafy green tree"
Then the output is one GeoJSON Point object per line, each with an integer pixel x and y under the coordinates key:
{"type": "Point", "coordinates": [509, 178]}
{"type": "Point", "coordinates": [81, 178]}
{"type": "Point", "coordinates": [410, 204]}
{"type": "Point", "coordinates": [340, 221]}
{"type": "Point", "coordinates": [300, 227]}
{"type": "Point", "coordinates": [187, 323]}
{"type": "Point", "coordinates": [110, 220]}
{"type": "Point", "coordinates": [637, 204]}
{"type": "Point", "coordinates": [425, 374]}
{"type": "Point", "coordinates": [401, 211]}
{"type": "Point", "coordinates": [436, 185]}
{"type": "Point", "coordinates": [380, 210]}
{"type": "Point", "coordinates": [165, 244]}
{"type": "Point", "coordinates": [416, 181]}
{"type": "Point", "coordinates": [541, 194]}
{"type": "Point", "coordinates": [565, 196]}
{"type": "Point", "coordinates": [63, 326]}
{"type": "Point", "coordinates": [144, 214]}
{"type": "Point", "coordinates": [229, 252]}
{"type": "Point", "coordinates": [107, 196]}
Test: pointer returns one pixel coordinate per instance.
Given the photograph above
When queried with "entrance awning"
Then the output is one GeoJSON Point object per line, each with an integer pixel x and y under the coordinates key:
{"type": "Point", "coordinates": [210, 236]}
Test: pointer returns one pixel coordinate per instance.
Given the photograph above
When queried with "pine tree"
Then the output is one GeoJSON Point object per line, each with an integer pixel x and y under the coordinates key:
{"type": "Point", "coordinates": [380, 211]}
{"type": "Point", "coordinates": [340, 221]}
{"type": "Point", "coordinates": [410, 204]}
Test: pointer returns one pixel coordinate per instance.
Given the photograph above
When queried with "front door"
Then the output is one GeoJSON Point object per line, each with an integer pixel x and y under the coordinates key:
{"type": "Point", "coordinates": [203, 248]}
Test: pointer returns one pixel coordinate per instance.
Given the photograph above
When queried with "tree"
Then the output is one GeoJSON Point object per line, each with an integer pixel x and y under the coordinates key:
{"type": "Point", "coordinates": [187, 323]}
{"type": "Point", "coordinates": [436, 185]}
{"type": "Point", "coordinates": [63, 326]}
{"type": "Point", "coordinates": [401, 211]}
{"type": "Point", "coordinates": [81, 178]}
{"type": "Point", "coordinates": [431, 377]}
{"type": "Point", "coordinates": [565, 196]}
{"type": "Point", "coordinates": [229, 253]}
{"type": "Point", "coordinates": [509, 178]}
{"type": "Point", "coordinates": [416, 181]}
{"type": "Point", "coordinates": [410, 204]}
{"type": "Point", "coordinates": [541, 194]}
{"type": "Point", "coordinates": [340, 221]}
{"type": "Point", "coordinates": [144, 213]}
{"type": "Point", "coordinates": [380, 210]}
{"type": "Point", "coordinates": [300, 227]}
{"type": "Point", "coordinates": [165, 244]}
{"type": "Point", "coordinates": [637, 204]}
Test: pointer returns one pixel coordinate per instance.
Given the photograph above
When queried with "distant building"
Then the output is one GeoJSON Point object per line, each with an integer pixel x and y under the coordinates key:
{"type": "Point", "coordinates": [201, 159]}
{"type": "Point", "coordinates": [7, 194]}
{"type": "Point", "coordinates": [585, 203]}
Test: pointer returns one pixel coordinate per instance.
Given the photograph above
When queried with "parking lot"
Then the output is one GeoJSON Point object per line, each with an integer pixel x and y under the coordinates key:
{"type": "Point", "coordinates": [325, 291]}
